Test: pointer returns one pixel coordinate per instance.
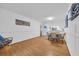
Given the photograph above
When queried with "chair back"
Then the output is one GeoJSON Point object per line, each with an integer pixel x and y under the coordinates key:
{"type": "Point", "coordinates": [1, 38]}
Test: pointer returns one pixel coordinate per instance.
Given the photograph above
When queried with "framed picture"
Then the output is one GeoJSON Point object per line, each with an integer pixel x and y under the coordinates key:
{"type": "Point", "coordinates": [72, 13]}
{"type": "Point", "coordinates": [74, 10]}
{"type": "Point", "coordinates": [21, 22]}
{"type": "Point", "coordinates": [66, 21]}
{"type": "Point", "coordinates": [69, 15]}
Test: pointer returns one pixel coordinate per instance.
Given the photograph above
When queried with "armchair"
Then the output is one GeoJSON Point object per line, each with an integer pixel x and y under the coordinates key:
{"type": "Point", "coordinates": [5, 41]}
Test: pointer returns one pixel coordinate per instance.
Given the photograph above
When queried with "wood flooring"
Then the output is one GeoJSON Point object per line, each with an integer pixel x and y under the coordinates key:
{"type": "Point", "coordinates": [39, 46]}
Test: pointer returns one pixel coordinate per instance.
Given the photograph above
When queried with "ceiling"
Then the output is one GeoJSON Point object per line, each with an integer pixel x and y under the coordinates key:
{"type": "Point", "coordinates": [39, 11]}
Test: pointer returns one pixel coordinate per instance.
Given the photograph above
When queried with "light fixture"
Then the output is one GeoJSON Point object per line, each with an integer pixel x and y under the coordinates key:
{"type": "Point", "coordinates": [50, 18]}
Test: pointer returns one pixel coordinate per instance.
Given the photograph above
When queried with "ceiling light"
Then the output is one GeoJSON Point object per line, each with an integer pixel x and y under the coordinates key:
{"type": "Point", "coordinates": [50, 18]}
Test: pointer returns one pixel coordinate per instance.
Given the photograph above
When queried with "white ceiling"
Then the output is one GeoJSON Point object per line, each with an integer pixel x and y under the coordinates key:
{"type": "Point", "coordinates": [39, 11]}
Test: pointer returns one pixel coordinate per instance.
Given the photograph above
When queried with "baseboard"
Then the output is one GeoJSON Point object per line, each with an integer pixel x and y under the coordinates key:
{"type": "Point", "coordinates": [23, 40]}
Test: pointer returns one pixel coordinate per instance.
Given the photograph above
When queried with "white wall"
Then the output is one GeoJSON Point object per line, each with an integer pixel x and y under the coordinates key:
{"type": "Point", "coordinates": [19, 33]}
{"type": "Point", "coordinates": [72, 37]}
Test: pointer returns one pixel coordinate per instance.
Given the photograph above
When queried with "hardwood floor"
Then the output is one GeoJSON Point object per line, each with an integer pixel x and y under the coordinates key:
{"type": "Point", "coordinates": [39, 46]}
